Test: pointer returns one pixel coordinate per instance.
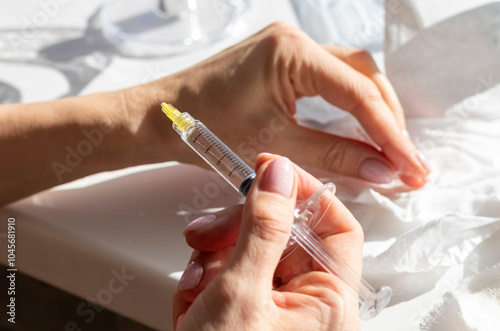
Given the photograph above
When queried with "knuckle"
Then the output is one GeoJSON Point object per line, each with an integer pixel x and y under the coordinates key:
{"type": "Point", "coordinates": [234, 291]}
{"type": "Point", "coordinates": [277, 26]}
{"type": "Point", "coordinates": [330, 309]}
{"type": "Point", "coordinates": [358, 235]}
{"type": "Point", "coordinates": [335, 156]}
{"type": "Point", "coordinates": [228, 287]}
{"type": "Point", "coordinates": [336, 316]}
{"type": "Point", "coordinates": [283, 35]}
{"type": "Point", "coordinates": [271, 223]}
{"type": "Point", "coordinates": [336, 301]}
{"type": "Point", "coordinates": [365, 92]}
{"type": "Point", "coordinates": [269, 230]}
{"type": "Point", "coordinates": [364, 56]}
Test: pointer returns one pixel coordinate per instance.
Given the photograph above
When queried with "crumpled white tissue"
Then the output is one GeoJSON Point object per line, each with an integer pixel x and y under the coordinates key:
{"type": "Point", "coordinates": [437, 247]}
{"type": "Point", "coordinates": [473, 305]}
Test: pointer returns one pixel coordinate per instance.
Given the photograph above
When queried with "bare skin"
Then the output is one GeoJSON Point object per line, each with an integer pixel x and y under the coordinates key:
{"type": "Point", "coordinates": [249, 87]}
{"type": "Point", "coordinates": [235, 289]}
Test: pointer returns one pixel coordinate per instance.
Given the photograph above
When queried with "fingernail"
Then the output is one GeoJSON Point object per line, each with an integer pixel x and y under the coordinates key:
{"type": "Point", "coordinates": [413, 181]}
{"type": "Point", "coordinates": [179, 320]}
{"type": "Point", "coordinates": [423, 160]}
{"type": "Point", "coordinates": [200, 222]}
{"type": "Point", "coordinates": [279, 177]}
{"type": "Point", "coordinates": [375, 171]}
{"type": "Point", "coordinates": [191, 276]}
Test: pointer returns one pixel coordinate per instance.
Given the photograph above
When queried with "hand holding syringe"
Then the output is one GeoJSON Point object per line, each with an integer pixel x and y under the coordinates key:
{"type": "Point", "coordinates": [240, 176]}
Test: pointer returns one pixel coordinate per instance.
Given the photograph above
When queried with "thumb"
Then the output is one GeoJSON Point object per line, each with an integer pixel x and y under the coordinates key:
{"type": "Point", "coordinates": [266, 222]}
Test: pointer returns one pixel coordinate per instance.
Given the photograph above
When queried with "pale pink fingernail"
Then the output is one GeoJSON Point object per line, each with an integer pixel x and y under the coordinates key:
{"type": "Point", "coordinates": [191, 276]}
{"type": "Point", "coordinates": [423, 160]}
{"type": "Point", "coordinates": [375, 171]}
{"type": "Point", "coordinates": [179, 320]}
{"type": "Point", "coordinates": [200, 222]}
{"type": "Point", "coordinates": [279, 177]}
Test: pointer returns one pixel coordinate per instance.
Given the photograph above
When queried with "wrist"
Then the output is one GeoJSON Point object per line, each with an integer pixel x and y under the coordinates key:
{"type": "Point", "coordinates": [152, 138]}
{"type": "Point", "coordinates": [103, 122]}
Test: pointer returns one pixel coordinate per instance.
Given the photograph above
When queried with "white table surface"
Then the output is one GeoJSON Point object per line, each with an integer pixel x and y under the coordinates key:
{"type": "Point", "coordinates": [77, 237]}
{"type": "Point", "coordinates": [80, 236]}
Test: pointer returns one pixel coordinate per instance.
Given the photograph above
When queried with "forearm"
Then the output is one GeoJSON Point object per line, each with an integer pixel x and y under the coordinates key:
{"type": "Point", "coordinates": [50, 143]}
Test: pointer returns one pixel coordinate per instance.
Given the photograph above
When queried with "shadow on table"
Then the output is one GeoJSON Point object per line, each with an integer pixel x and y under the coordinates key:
{"type": "Point", "coordinates": [79, 54]}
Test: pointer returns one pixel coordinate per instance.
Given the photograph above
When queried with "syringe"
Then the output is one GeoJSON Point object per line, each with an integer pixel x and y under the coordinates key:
{"type": "Point", "coordinates": [225, 162]}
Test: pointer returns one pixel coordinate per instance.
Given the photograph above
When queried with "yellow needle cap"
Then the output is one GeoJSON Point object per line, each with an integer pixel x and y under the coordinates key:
{"type": "Point", "coordinates": [172, 113]}
{"type": "Point", "coordinates": [181, 121]}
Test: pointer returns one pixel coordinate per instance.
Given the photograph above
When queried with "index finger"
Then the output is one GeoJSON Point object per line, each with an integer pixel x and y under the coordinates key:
{"type": "Point", "coordinates": [363, 62]}
{"type": "Point", "coordinates": [317, 72]}
{"type": "Point", "coordinates": [350, 90]}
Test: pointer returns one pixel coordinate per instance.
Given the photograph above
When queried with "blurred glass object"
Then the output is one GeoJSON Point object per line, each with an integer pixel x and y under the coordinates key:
{"type": "Point", "coordinates": [164, 27]}
{"type": "Point", "coordinates": [354, 23]}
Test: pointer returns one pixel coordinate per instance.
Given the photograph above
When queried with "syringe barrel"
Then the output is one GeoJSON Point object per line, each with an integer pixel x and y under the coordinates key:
{"type": "Point", "coordinates": [218, 155]}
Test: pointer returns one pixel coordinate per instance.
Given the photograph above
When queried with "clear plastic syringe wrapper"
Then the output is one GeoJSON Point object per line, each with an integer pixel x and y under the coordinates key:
{"type": "Point", "coordinates": [307, 214]}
